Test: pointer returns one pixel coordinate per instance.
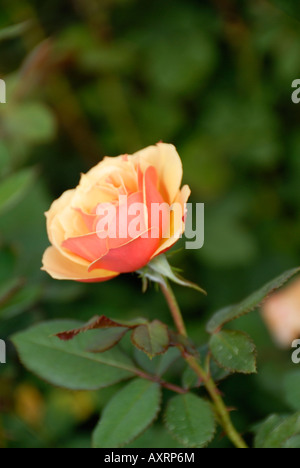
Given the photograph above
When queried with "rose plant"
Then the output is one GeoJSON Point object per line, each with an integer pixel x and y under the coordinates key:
{"type": "Point", "coordinates": [85, 247]}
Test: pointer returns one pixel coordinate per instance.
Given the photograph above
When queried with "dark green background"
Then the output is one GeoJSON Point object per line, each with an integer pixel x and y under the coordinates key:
{"type": "Point", "coordinates": [92, 78]}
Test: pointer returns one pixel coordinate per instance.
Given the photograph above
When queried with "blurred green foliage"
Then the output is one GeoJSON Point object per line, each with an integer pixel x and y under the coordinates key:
{"type": "Point", "coordinates": [86, 79]}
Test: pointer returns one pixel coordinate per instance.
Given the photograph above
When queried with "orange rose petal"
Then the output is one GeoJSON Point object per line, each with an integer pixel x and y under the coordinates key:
{"type": "Point", "coordinates": [62, 268]}
{"type": "Point", "coordinates": [122, 214]}
{"type": "Point", "coordinates": [168, 165]}
{"type": "Point", "coordinates": [177, 224]}
{"type": "Point", "coordinates": [57, 235]}
{"type": "Point", "coordinates": [153, 199]}
{"type": "Point", "coordinates": [130, 257]}
{"type": "Point", "coordinates": [89, 246]}
{"type": "Point", "coordinates": [88, 196]}
{"type": "Point", "coordinates": [58, 205]}
{"type": "Point", "coordinates": [89, 219]}
{"type": "Point", "coordinates": [106, 168]}
{"type": "Point", "coordinates": [140, 178]}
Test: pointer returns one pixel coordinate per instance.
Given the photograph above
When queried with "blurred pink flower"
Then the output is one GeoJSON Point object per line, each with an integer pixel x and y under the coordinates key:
{"type": "Point", "coordinates": [281, 313]}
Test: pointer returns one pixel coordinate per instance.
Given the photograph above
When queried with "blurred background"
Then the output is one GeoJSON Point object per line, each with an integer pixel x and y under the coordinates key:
{"type": "Point", "coordinates": [92, 78]}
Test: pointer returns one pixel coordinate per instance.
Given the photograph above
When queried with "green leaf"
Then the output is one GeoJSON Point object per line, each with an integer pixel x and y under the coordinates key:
{"type": "Point", "coordinates": [93, 324]}
{"type": "Point", "coordinates": [189, 377]}
{"type": "Point", "coordinates": [106, 332]}
{"type": "Point", "coordinates": [67, 364]}
{"type": "Point", "coordinates": [5, 159]}
{"type": "Point", "coordinates": [105, 339]}
{"type": "Point", "coordinates": [128, 414]}
{"type": "Point", "coordinates": [190, 420]}
{"type": "Point", "coordinates": [265, 428]}
{"type": "Point", "coordinates": [234, 351]}
{"type": "Point", "coordinates": [156, 436]}
{"type": "Point", "coordinates": [13, 188]}
{"type": "Point", "coordinates": [292, 442]}
{"type": "Point", "coordinates": [19, 300]}
{"type": "Point", "coordinates": [218, 373]}
{"type": "Point", "coordinates": [152, 338]}
{"type": "Point", "coordinates": [250, 303]}
{"type": "Point", "coordinates": [291, 7]}
{"type": "Point", "coordinates": [32, 122]}
{"type": "Point", "coordinates": [183, 343]}
{"type": "Point", "coordinates": [277, 431]}
{"type": "Point", "coordinates": [15, 30]}
{"type": "Point", "coordinates": [167, 360]}
{"type": "Point", "coordinates": [159, 269]}
{"type": "Point", "coordinates": [8, 288]}
{"type": "Point", "coordinates": [160, 364]}
{"type": "Point", "coordinates": [291, 384]}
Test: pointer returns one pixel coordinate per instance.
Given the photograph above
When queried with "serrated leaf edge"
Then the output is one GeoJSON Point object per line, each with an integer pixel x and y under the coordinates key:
{"type": "Point", "coordinates": [211, 331]}
{"type": "Point", "coordinates": [159, 405]}
{"type": "Point", "coordinates": [142, 349]}
{"type": "Point", "coordinates": [234, 371]}
{"type": "Point", "coordinates": [181, 441]}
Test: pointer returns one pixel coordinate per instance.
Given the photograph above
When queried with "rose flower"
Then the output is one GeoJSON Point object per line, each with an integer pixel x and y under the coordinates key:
{"type": "Point", "coordinates": [107, 225]}
{"type": "Point", "coordinates": [281, 313]}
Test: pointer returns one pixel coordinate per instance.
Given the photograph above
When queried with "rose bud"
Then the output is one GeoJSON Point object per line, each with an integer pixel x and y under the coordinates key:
{"type": "Point", "coordinates": [124, 212]}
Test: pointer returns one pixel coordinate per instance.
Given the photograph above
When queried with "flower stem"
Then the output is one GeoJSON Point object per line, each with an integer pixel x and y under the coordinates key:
{"type": "Point", "coordinates": [220, 407]}
{"type": "Point", "coordinates": [174, 307]}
